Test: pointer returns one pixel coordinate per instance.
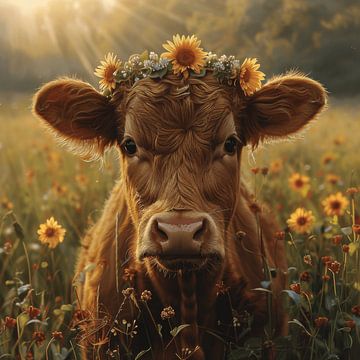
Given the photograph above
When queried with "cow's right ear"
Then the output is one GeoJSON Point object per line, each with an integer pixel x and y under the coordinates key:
{"type": "Point", "coordinates": [77, 114]}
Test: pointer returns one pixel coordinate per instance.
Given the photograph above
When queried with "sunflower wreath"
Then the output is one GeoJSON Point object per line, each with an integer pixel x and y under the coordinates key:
{"type": "Point", "coordinates": [184, 57]}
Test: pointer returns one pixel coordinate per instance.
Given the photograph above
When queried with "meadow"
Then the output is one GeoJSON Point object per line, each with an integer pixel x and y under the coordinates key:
{"type": "Point", "coordinates": [40, 180]}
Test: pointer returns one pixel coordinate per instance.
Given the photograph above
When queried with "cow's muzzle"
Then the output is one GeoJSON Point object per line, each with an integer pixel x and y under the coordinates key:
{"type": "Point", "coordinates": [181, 239]}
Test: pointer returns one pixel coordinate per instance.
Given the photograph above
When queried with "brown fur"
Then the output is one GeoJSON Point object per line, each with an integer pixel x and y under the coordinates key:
{"type": "Point", "coordinates": [180, 129]}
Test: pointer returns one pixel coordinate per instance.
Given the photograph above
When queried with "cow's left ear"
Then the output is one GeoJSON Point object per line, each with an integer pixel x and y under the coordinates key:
{"type": "Point", "coordinates": [283, 106]}
{"type": "Point", "coordinates": [78, 115]}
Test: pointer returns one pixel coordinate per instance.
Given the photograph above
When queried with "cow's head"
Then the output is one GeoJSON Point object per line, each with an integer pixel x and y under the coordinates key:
{"type": "Point", "coordinates": [180, 146]}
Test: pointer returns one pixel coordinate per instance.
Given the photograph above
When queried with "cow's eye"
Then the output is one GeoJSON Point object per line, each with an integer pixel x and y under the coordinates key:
{"type": "Point", "coordinates": [230, 145]}
{"type": "Point", "coordinates": [129, 146]}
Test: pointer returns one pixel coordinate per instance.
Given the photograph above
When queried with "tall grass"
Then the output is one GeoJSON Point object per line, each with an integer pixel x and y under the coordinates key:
{"type": "Point", "coordinates": [38, 180]}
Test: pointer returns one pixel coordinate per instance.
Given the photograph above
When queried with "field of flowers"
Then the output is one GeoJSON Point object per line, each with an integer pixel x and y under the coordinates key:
{"type": "Point", "coordinates": [49, 197]}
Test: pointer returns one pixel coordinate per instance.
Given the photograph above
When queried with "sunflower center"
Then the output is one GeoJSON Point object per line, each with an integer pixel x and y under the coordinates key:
{"type": "Point", "coordinates": [299, 183]}
{"type": "Point", "coordinates": [335, 205]}
{"type": "Point", "coordinates": [109, 73]}
{"type": "Point", "coordinates": [185, 57]}
{"type": "Point", "coordinates": [49, 232]}
{"type": "Point", "coordinates": [301, 220]}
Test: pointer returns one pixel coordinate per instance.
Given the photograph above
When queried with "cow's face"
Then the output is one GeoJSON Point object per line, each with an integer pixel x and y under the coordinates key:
{"type": "Point", "coordinates": [180, 147]}
{"type": "Point", "coordinates": [180, 151]}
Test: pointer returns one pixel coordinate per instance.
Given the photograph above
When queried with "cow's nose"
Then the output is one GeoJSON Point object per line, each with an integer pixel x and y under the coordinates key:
{"type": "Point", "coordinates": [179, 235]}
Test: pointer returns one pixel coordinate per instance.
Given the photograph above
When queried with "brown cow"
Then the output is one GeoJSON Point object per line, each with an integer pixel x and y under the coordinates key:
{"type": "Point", "coordinates": [180, 217]}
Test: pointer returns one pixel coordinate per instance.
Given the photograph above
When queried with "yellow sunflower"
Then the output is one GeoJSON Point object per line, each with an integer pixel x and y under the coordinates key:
{"type": "Point", "coordinates": [301, 221]}
{"type": "Point", "coordinates": [299, 182]}
{"type": "Point", "coordinates": [335, 204]}
{"type": "Point", "coordinates": [184, 54]}
{"type": "Point", "coordinates": [250, 76]}
{"type": "Point", "coordinates": [51, 233]}
{"type": "Point", "coordinates": [106, 70]}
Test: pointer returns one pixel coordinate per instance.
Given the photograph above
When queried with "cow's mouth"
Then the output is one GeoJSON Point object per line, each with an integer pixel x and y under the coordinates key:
{"type": "Point", "coordinates": [185, 263]}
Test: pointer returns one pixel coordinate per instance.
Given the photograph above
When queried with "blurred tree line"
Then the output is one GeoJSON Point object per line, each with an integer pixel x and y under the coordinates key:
{"type": "Point", "coordinates": [318, 37]}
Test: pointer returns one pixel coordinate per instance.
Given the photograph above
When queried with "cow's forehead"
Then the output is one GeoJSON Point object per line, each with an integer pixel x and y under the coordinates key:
{"type": "Point", "coordinates": [147, 133]}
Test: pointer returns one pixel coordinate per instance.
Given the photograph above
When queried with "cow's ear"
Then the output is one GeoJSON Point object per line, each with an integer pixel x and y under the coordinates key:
{"type": "Point", "coordinates": [78, 115]}
{"type": "Point", "coordinates": [283, 106]}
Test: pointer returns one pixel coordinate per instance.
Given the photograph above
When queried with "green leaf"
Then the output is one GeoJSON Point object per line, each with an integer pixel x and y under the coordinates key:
{"type": "Point", "coordinates": [175, 331]}
{"type": "Point", "coordinates": [298, 323]}
{"type": "Point", "coordinates": [265, 284]}
{"type": "Point", "coordinates": [144, 55]}
{"type": "Point", "coordinates": [347, 230]}
{"type": "Point", "coordinates": [24, 288]}
{"type": "Point", "coordinates": [201, 74]}
{"type": "Point", "coordinates": [263, 290]}
{"type": "Point", "coordinates": [159, 328]}
{"type": "Point", "coordinates": [67, 307]}
{"type": "Point", "coordinates": [141, 353]}
{"type": "Point", "coordinates": [22, 320]}
{"type": "Point", "coordinates": [294, 296]}
{"type": "Point", "coordinates": [18, 230]}
{"type": "Point", "coordinates": [37, 321]}
{"type": "Point", "coordinates": [159, 74]}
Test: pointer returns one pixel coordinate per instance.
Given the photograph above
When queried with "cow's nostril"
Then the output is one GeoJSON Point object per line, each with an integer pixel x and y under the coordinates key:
{"type": "Point", "coordinates": [199, 232]}
{"type": "Point", "coordinates": [161, 233]}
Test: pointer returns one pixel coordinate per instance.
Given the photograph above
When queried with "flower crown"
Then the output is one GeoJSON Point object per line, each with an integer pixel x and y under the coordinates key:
{"type": "Point", "coordinates": [184, 57]}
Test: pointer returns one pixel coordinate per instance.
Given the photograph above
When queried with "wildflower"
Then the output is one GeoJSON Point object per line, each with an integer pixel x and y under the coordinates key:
{"type": "Point", "coordinates": [337, 239]}
{"type": "Point", "coordinates": [295, 287]}
{"type": "Point", "coordinates": [350, 324]}
{"type": "Point", "coordinates": [307, 260]}
{"type": "Point", "coordinates": [299, 182]}
{"type": "Point", "coordinates": [356, 310]}
{"type": "Point", "coordinates": [332, 179]}
{"type": "Point", "coordinates": [305, 276]}
{"type": "Point", "coordinates": [38, 337]}
{"type": "Point", "coordinates": [339, 140]}
{"type": "Point", "coordinates": [326, 277]}
{"type": "Point", "coordinates": [335, 204]}
{"type": "Point", "coordinates": [129, 274]}
{"type": "Point", "coordinates": [9, 322]}
{"type": "Point", "coordinates": [106, 71]}
{"type": "Point", "coordinates": [255, 170]}
{"type": "Point", "coordinates": [265, 171]}
{"type": "Point", "coordinates": [7, 247]}
{"type": "Point", "coordinates": [280, 235]}
{"type": "Point", "coordinates": [326, 259]}
{"type": "Point", "coordinates": [321, 321]}
{"type": "Point", "coordinates": [51, 233]}
{"type": "Point", "coordinates": [33, 312]}
{"type": "Point", "coordinates": [334, 266]}
{"type": "Point", "coordinates": [59, 189]}
{"type": "Point", "coordinates": [328, 158]}
{"type": "Point", "coordinates": [345, 248]}
{"type": "Point", "coordinates": [167, 313]}
{"type": "Point", "coordinates": [81, 179]}
{"type": "Point", "coordinates": [29, 356]}
{"type": "Point", "coordinates": [301, 221]}
{"type": "Point", "coordinates": [58, 335]}
{"type": "Point", "coordinates": [352, 191]}
{"type": "Point", "coordinates": [185, 54]}
{"type": "Point", "coordinates": [6, 204]}
{"type": "Point", "coordinates": [128, 292]}
{"type": "Point", "coordinates": [356, 229]}
{"type": "Point", "coordinates": [250, 76]}
{"type": "Point", "coordinates": [146, 295]}
{"type": "Point", "coordinates": [221, 288]}
{"type": "Point", "coordinates": [276, 166]}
